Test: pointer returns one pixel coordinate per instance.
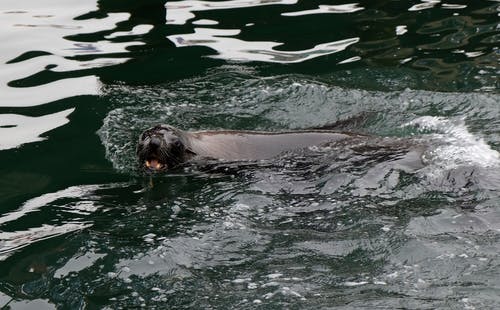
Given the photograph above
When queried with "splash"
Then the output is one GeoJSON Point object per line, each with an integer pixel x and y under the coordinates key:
{"type": "Point", "coordinates": [457, 145]}
{"type": "Point", "coordinates": [234, 98]}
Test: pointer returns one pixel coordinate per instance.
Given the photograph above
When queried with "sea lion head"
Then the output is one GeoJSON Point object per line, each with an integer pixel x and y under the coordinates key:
{"type": "Point", "coordinates": [163, 147]}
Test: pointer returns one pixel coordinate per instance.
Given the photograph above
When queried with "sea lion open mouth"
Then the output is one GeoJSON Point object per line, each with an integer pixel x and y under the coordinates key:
{"type": "Point", "coordinates": [154, 164]}
{"type": "Point", "coordinates": [162, 148]}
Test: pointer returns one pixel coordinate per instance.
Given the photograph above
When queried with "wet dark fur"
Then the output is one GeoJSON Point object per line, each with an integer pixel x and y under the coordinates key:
{"type": "Point", "coordinates": [173, 147]}
{"type": "Point", "coordinates": [171, 151]}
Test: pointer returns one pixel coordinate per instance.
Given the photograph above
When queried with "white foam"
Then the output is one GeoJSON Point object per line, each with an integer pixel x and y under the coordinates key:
{"type": "Point", "coordinates": [457, 145]}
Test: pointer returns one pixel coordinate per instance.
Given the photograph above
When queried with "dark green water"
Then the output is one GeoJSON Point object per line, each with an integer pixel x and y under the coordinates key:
{"type": "Point", "coordinates": [315, 229]}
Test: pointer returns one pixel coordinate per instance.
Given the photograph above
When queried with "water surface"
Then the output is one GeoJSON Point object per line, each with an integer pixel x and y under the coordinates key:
{"type": "Point", "coordinates": [344, 226]}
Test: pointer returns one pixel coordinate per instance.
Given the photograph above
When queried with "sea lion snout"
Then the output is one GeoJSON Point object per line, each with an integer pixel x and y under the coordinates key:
{"type": "Point", "coordinates": [155, 142]}
{"type": "Point", "coordinates": [160, 148]}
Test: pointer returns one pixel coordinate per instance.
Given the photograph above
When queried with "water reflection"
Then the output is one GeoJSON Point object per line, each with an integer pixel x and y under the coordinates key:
{"type": "Point", "coordinates": [236, 100]}
{"type": "Point", "coordinates": [426, 4]}
{"type": "Point", "coordinates": [43, 39]}
{"type": "Point", "coordinates": [16, 130]}
{"type": "Point", "coordinates": [325, 227]}
{"type": "Point", "coordinates": [136, 31]}
{"type": "Point", "coordinates": [240, 50]}
{"type": "Point", "coordinates": [76, 203]}
{"type": "Point", "coordinates": [179, 12]}
{"type": "Point", "coordinates": [377, 27]}
{"type": "Point", "coordinates": [13, 241]}
{"type": "Point", "coordinates": [322, 9]}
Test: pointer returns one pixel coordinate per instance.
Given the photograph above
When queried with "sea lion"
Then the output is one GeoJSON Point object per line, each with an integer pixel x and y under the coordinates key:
{"type": "Point", "coordinates": [165, 147]}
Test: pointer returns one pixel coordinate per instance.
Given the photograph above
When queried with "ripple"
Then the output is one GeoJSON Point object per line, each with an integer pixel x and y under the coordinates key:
{"type": "Point", "coordinates": [76, 202]}
{"type": "Point", "coordinates": [26, 304]}
{"type": "Point", "coordinates": [232, 100]}
{"type": "Point", "coordinates": [55, 34]}
{"type": "Point", "coordinates": [179, 12]}
{"type": "Point", "coordinates": [322, 9]}
{"type": "Point", "coordinates": [16, 130]}
{"type": "Point", "coordinates": [136, 31]}
{"type": "Point", "coordinates": [348, 60]}
{"type": "Point", "coordinates": [462, 147]}
{"type": "Point", "coordinates": [346, 225]}
{"type": "Point", "coordinates": [36, 203]}
{"type": "Point", "coordinates": [452, 6]}
{"type": "Point", "coordinates": [401, 29]}
{"type": "Point", "coordinates": [457, 159]}
{"type": "Point", "coordinates": [275, 103]}
{"type": "Point", "coordinates": [48, 92]}
{"type": "Point", "coordinates": [77, 264]}
{"type": "Point", "coordinates": [426, 4]}
{"type": "Point", "coordinates": [240, 50]}
{"type": "Point", "coordinates": [13, 241]}
{"type": "Point", "coordinates": [205, 22]}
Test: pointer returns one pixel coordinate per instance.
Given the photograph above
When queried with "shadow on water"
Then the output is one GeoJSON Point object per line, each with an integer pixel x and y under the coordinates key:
{"type": "Point", "coordinates": [344, 225]}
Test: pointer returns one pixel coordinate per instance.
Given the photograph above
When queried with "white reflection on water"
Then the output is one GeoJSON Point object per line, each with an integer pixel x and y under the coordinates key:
{"type": "Point", "coordinates": [322, 9]}
{"type": "Point", "coordinates": [349, 60]}
{"type": "Point", "coordinates": [426, 4]}
{"type": "Point", "coordinates": [78, 263]}
{"type": "Point", "coordinates": [401, 29]}
{"type": "Point", "coordinates": [37, 203]}
{"type": "Point", "coordinates": [47, 27]}
{"type": "Point", "coordinates": [178, 12]}
{"type": "Point", "coordinates": [38, 95]}
{"type": "Point", "coordinates": [78, 200]}
{"type": "Point", "coordinates": [137, 30]}
{"type": "Point", "coordinates": [11, 241]}
{"type": "Point", "coordinates": [16, 129]}
{"type": "Point", "coordinates": [451, 6]}
{"type": "Point", "coordinates": [236, 49]}
{"type": "Point", "coordinates": [205, 22]}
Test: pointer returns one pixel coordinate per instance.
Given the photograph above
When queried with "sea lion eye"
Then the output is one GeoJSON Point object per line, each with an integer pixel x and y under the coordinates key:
{"type": "Point", "coordinates": [177, 143]}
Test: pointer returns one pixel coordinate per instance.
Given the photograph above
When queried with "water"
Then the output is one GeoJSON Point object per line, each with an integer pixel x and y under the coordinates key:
{"type": "Point", "coordinates": [345, 226]}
